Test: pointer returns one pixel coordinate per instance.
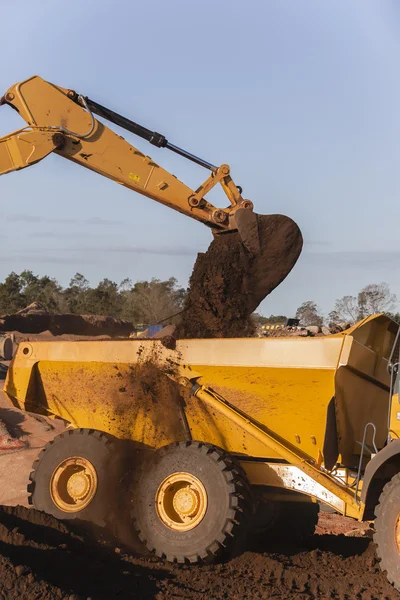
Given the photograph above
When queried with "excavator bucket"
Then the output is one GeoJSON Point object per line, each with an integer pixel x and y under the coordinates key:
{"type": "Point", "coordinates": [239, 269]}
{"type": "Point", "coordinates": [275, 241]}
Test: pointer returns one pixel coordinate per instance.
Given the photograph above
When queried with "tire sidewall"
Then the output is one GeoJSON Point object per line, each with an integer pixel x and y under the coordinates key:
{"type": "Point", "coordinates": [160, 537]}
{"type": "Point", "coordinates": [386, 533]}
{"type": "Point", "coordinates": [75, 444]}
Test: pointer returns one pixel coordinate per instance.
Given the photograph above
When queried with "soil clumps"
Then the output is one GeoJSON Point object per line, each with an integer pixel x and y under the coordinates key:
{"type": "Point", "coordinates": [43, 559]}
{"type": "Point", "coordinates": [36, 319]}
{"type": "Point", "coordinates": [229, 282]}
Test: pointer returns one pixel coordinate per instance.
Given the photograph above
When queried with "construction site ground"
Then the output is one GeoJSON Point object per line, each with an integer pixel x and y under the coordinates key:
{"type": "Point", "coordinates": [41, 558]}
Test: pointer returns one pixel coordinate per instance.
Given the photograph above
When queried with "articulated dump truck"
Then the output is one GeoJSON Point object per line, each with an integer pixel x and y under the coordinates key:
{"type": "Point", "coordinates": [224, 437]}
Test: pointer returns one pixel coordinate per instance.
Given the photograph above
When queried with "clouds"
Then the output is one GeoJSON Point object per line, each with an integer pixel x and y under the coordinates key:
{"type": "Point", "coordinates": [69, 235]}
{"type": "Point", "coordinates": [165, 250]}
{"type": "Point", "coordinates": [169, 250]}
{"type": "Point", "coordinates": [354, 259]}
{"type": "Point", "coordinates": [27, 260]}
{"type": "Point", "coordinates": [16, 218]}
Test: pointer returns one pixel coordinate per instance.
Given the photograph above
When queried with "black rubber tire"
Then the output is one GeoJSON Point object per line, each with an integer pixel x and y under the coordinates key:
{"type": "Point", "coordinates": [386, 513]}
{"type": "Point", "coordinates": [223, 527]}
{"type": "Point", "coordinates": [93, 445]}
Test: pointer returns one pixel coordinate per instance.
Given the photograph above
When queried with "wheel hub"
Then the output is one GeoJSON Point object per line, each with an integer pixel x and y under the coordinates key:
{"type": "Point", "coordinates": [78, 485]}
{"type": "Point", "coordinates": [181, 501]}
{"type": "Point", "coordinates": [397, 534]}
{"type": "Point", "coordinates": [73, 484]}
{"type": "Point", "coordinates": [186, 502]}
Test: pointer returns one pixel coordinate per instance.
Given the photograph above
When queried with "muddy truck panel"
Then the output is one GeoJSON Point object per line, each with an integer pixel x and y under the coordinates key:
{"type": "Point", "coordinates": [316, 393]}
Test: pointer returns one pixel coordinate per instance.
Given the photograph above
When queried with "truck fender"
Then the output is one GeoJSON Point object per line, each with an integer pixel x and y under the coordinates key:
{"type": "Point", "coordinates": [383, 456]}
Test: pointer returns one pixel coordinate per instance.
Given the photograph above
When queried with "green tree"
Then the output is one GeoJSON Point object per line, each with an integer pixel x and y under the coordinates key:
{"type": "Point", "coordinates": [76, 293]}
{"type": "Point", "coordinates": [153, 301]}
{"type": "Point", "coordinates": [308, 314]}
{"type": "Point", "coordinates": [44, 289]}
{"type": "Point", "coordinates": [17, 291]}
{"type": "Point", "coordinates": [104, 299]}
{"type": "Point", "coordinates": [11, 296]}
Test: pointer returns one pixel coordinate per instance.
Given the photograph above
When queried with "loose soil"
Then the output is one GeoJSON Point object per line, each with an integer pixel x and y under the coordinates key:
{"type": "Point", "coordinates": [35, 319]}
{"type": "Point", "coordinates": [41, 558]}
{"type": "Point", "coordinates": [229, 282]}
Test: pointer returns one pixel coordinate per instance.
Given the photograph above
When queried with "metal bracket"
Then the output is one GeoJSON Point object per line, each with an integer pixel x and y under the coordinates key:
{"type": "Point", "coordinates": [363, 447]}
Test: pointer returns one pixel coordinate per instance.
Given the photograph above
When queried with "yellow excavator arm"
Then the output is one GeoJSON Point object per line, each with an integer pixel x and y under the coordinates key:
{"type": "Point", "coordinates": [61, 121]}
{"type": "Point", "coordinates": [242, 267]}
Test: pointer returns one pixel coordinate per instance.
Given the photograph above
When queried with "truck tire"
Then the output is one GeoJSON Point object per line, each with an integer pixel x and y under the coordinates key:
{"type": "Point", "coordinates": [387, 530]}
{"type": "Point", "coordinates": [192, 503]}
{"type": "Point", "coordinates": [73, 475]}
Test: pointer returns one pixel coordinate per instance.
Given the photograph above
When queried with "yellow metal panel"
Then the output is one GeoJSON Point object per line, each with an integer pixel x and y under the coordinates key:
{"type": "Point", "coordinates": [23, 148]}
{"type": "Point", "coordinates": [291, 402]}
{"type": "Point", "coordinates": [293, 353]}
{"type": "Point", "coordinates": [130, 402]}
{"type": "Point", "coordinates": [362, 385]}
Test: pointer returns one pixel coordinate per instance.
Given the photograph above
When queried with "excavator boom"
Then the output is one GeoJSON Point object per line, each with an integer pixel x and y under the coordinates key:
{"type": "Point", "coordinates": [263, 249]}
{"type": "Point", "coordinates": [63, 122]}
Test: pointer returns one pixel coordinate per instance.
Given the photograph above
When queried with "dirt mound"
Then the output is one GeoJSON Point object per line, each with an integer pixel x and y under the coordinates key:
{"type": "Point", "coordinates": [228, 282]}
{"type": "Point", "coordinates": [35, 319]}
{"type": "Point", "coordinates": [41, 558]}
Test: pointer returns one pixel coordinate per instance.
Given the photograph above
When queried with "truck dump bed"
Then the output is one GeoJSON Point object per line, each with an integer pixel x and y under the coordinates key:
{"type": "Point", "coordinates": [316, 393]}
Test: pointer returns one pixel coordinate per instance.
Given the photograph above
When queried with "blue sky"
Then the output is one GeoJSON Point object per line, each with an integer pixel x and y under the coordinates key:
{"type": "Point", "coordinates": [300, 98]}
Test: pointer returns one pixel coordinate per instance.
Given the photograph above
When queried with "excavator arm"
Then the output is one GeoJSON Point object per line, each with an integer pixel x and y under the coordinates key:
{"type": "Point", "coordinates": [236, 272]}
{"type": "Point", "coordinates": [61, 121]}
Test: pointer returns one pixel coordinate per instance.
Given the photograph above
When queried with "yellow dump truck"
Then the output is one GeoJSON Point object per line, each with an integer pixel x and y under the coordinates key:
{"type": "Point", "coordinates": [226, 435]}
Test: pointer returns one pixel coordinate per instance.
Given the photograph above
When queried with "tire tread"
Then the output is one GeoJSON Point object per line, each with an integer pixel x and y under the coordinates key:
{"type": "Point", "coordinates": [240, 502]}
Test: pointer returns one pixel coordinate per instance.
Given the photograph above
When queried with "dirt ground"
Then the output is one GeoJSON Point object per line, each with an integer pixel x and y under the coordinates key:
{"type": "Point", "coordinates": [42, 559]}
{"type": "Point", "coordinates": [35, 319]}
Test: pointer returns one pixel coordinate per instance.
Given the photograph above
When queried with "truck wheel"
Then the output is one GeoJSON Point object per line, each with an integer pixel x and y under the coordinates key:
{"type": "Point", "coordinates": [72, 477]}
{"type": "Point", "coordinates": [387, 530]}
{"type": "Point", "coordinates": [192, 503]}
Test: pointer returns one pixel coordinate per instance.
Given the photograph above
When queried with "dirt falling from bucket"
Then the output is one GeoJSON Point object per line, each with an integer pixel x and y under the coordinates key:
{"type": "Point", "coordinates": [228, 282]}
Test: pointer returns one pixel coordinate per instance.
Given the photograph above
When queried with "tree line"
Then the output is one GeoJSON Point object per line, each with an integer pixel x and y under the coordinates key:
{"type": "Point", "coordinates": [371, 299]}
{"type": "Point", "coordinates": [141, 302]}
{"type": "Point", "coordinates": [155, 300]}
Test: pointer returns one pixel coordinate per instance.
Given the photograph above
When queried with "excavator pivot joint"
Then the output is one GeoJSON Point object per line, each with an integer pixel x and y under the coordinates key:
{"type": "Point", "coordinates": [196, 202]}
{"type": "Point", "coordinates": [219, 216]}
{"type": "Point", "coordinates": [58, 139]}
{"type": "Point", "coordinates": [247, 204]}
{"type": "Point", "coordinates": [225, 170]}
